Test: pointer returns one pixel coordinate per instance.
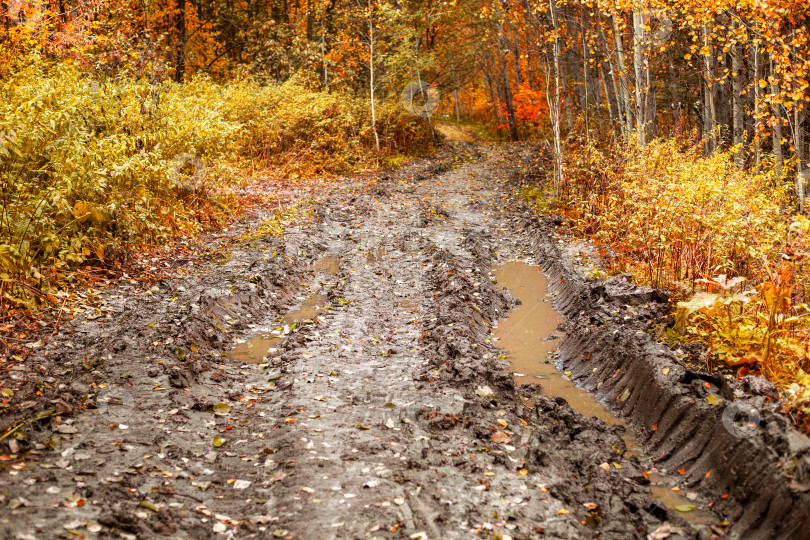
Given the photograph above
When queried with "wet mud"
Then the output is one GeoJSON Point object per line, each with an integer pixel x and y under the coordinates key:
{"type": "Point", "coordinates": [530, 335]}
{"type": "Point", "coordinates": [373, 402]}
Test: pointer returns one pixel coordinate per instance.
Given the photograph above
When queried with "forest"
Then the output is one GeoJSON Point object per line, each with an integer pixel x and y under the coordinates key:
{"type": "Point", "coordinates": [665, 141]}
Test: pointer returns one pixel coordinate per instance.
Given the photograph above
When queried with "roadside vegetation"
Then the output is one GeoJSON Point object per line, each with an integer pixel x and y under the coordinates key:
{"type": "Point", "coordinates": [726, 242]}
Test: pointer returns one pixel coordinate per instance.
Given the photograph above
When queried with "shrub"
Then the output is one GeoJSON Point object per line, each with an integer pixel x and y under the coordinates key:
{"type": "Point", "coordinates": [89, 169]}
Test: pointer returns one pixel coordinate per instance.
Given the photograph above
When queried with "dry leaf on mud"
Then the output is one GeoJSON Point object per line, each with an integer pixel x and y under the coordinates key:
{"type": "Point", "coordinates": [219, 441]}
{"type": "Point", "coordinates": [485, 392]}
{"type": "Point", "coordinates": [500, 437]}
{"type": "Point", "coordinates": [149, 505]}
{"type": "Point", "coordinates": [664, 531]}
{"type": "Point", "coordinates": [222, 409]}
{"type": "Point", "coordinates": [685, 507]}
{"type": "Point", "coordinates": [713, 400]}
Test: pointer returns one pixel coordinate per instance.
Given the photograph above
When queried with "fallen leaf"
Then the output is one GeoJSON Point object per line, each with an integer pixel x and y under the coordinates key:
{"type": "Point", "coordinates": [222, 409]}
{"type": "Point", "coordinates": [685, 507]}
{"type": "Point", "coordinates": [485, 392]}
{"type": "Point", "coordinates": [149, 505]}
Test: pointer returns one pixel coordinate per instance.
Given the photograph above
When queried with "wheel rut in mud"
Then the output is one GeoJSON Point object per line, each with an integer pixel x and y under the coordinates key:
{"type": "Point", "coordinates": [374, 402]}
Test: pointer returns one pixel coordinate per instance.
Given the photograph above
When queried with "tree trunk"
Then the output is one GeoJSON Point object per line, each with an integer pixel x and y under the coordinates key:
{"type": "Point", "coordinates": [777, 132]}
{"type": "Point", "coordinates": [585, 83]}
{"type": "Point", "coordinates": [709, 111]}
{"type": "Point", "coordinates": [738, 104]}
{"type": "Point", "coordinates": [371, 76]}
{"type": "Point", "coordinates": [609, 98]}
{"type": "Point", "coordinates": [180, 25]}
{"type": "Point", "coordinates": [554, 108]}
{"type": "Point", "coordinates": [507, 98]}
{"type": "Point", "coordinates": [645, 94]}
{"type": "Point", "coordinates": [757, 61]}
{"type": "Point", "coordinates": [624, 86]}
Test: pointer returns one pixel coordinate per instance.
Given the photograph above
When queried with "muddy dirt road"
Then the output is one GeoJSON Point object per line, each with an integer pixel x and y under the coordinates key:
{"type": "Point", "coordinates": [368, 398]}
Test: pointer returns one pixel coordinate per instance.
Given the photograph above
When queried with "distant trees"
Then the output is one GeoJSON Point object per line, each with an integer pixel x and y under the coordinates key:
{"type": "Point", "coordinates": [732, 74]}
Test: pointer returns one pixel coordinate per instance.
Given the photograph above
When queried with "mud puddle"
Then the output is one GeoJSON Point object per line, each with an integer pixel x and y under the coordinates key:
{"type": "Point", "coordinates": [257, 347]}
{"type": "Point", "coordinates": [328, 265]}
{"type": "Point", "coordinates": [530, 335]}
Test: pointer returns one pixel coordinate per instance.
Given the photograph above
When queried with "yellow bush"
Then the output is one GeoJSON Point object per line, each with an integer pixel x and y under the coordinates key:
{"type": "Point", "coordinates": [89, 168]}
{"type": "Point", "coordinates": [676, 217]}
